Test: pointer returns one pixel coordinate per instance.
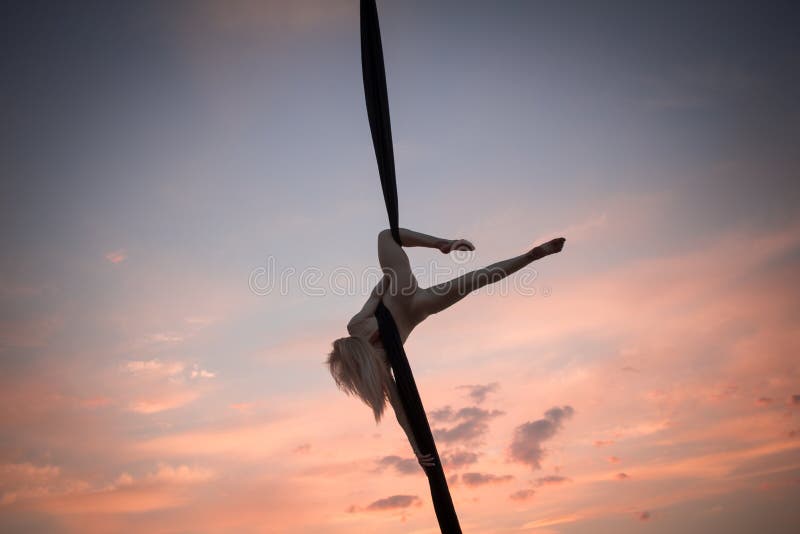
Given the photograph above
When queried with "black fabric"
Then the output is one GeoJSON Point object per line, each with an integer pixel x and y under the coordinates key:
{"type": "Point", "coordinates": [378, 108]}
{"type": "Point", "coordinates": [380, 126]}
{"type": "Point", "coordinates": [417, 420]}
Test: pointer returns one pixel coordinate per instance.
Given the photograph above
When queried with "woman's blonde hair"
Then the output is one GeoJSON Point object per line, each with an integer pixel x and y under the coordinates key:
{"type": "Point", "coordinates": [358, 370]}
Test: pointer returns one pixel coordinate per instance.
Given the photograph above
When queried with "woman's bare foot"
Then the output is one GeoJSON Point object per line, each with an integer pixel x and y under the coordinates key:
{"type": "Point", "coordinates": [551, 247]}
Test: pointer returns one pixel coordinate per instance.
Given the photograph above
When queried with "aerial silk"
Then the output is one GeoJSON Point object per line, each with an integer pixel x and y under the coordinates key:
{"type": "Point", "coordinates": [415, 413]}
{"type": "Point", "coordinates": [378, 112]}
{"type": "Point", "coordinates": [378, 108]}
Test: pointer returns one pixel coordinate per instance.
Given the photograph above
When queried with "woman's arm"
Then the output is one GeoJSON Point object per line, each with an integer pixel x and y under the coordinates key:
{"type": "Point", "coordinates": [372, 302]}
{"type": "Point", "coordinates": [410, 238]}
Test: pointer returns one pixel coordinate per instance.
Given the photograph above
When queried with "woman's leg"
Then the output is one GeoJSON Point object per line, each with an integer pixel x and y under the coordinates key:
{"type": "Point", "coordinates": [441, 296]}
{"type": "Point", "coordinates": [394, 262]}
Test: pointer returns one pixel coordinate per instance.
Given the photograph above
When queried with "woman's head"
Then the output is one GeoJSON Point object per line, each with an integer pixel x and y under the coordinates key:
{"type": "Point", "coordinates": [358, 371]}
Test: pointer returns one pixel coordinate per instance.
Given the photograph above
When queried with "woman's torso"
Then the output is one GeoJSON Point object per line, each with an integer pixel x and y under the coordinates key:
{"type": "Point", "coordinates": [403, 311]}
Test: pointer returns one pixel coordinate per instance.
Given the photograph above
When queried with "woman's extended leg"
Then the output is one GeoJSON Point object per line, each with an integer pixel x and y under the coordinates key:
{"type": "Point", "coordinates": [441, 296]}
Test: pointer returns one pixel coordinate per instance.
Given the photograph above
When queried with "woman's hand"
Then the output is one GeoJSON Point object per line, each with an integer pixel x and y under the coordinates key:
{"type": "Point", "coordinates": [455, 244]}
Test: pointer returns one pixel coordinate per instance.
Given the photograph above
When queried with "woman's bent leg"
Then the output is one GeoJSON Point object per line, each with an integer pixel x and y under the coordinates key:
{"type": "Point", "coordinates": [394, 262]}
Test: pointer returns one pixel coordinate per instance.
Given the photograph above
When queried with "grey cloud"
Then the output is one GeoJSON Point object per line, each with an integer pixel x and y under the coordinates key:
{"type": "Point", "coordinates": [481, 479]}
{"type": "Point", "coordinates": [474, 423]}
{"type": "Point", "coordinates": [394, 502]}
{"type": "Point", "coordinates": [479, 392]}
{"type": "Point", "coordinates": [442, 414]}
{"type": "Point", "coordinates": [406, 466]}
{"type": "Point", "coordinates": [557, 414]}
{"type": "Point", "coordinates": [526, 446]}
{"type": "Point", "coordinates": [551, 480]}
{"type": "Point", "coordinates": [472, 412]}
{"type": "Point", "coordinates": [458, 459]}
{"type": "Point", "coordinates": [522, 494]}
{"type": "Point", "coordinates": [466, 431]}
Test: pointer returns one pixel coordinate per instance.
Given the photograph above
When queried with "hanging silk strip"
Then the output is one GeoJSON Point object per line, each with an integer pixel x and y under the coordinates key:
{"type": "Point", "coordinates": [380, 126]}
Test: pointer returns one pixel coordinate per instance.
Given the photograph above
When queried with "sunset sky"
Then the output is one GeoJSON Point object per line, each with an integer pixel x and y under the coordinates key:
{"type": "Point", "coordinates": [189, 211]}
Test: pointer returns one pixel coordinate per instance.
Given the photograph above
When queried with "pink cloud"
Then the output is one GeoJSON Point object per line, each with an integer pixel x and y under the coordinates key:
{"type": "Point", "coordinates": [117, 256]}
{"type": "Point", "coordinates": [552, 521]}
{"type": "Point", "coordinates": [46, 488]}
{"type": "Point", "coordinates": [181, 474]}
{"type": "Point", "coordinates": [197, 372]}
{"type": "Point", "coordinates": [21, 483]}
{"type": "Point", "coordinates": [162, 402]}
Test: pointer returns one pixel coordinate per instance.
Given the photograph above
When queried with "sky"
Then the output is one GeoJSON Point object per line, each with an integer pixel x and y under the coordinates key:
{"type": "Point", "coordinates": [189, 211]}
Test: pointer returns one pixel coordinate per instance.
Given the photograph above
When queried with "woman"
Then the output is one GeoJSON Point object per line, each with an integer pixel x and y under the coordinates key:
{"type": "Point", "coordinates": [358, 362]}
